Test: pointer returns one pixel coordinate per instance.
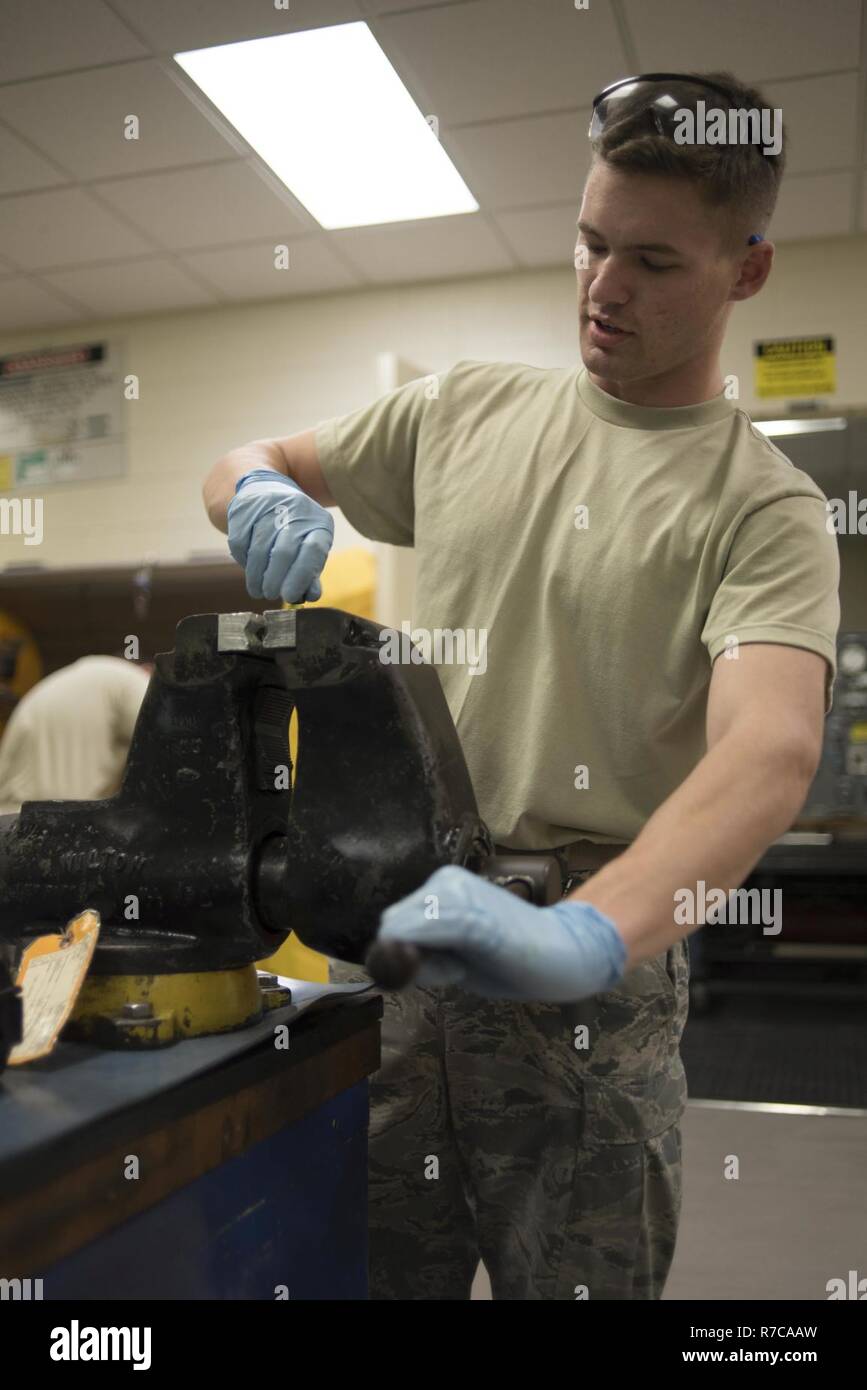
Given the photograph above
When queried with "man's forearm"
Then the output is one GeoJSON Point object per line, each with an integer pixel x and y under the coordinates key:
{"type": "Point", "coordinates": [714, 828]}
{"type": "Point", "coordinates": [219, 486]}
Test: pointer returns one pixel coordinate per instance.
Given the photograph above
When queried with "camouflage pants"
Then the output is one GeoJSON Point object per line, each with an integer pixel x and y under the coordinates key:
{"type": "Point", "coordinates": [542, 1137]}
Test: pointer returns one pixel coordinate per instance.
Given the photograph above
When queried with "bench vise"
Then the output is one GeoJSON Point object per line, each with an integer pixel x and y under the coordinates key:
{"type": "Point", "coordinates": [215, 848]}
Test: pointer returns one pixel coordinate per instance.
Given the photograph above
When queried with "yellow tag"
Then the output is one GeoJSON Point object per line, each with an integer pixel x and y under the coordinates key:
{"type": "Point", "coordinates": [52, 972]}
{"type": "Point", "coordinates": [858, 733]}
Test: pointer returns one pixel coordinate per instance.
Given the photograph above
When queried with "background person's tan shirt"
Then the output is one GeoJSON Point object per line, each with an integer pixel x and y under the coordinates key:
{"type": "Point", "coordinates": [599, 639]}
{"type": "Point", "coordinates": [68, 738]}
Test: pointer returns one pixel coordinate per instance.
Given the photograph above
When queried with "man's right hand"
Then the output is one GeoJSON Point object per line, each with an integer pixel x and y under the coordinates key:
{"type": "Point", "coordinates": [280, 536]}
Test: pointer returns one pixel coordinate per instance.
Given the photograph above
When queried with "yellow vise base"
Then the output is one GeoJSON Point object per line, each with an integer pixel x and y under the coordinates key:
{"type": "Point", "coordinates": [184, 1006]}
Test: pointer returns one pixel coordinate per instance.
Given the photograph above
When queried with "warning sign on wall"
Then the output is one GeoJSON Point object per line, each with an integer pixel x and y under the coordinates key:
{"type": "Point", "coordinates": [795, 367]}
{"type": "Point", "coordinates": [61, 415]}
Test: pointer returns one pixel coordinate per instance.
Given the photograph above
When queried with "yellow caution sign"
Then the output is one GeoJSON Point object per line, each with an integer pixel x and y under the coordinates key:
{"type": "Point", "coordinates": [795, 367]}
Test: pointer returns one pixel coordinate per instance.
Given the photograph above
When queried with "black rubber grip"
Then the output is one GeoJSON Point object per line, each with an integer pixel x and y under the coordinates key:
{"type": "Point", "coordinates": [392, 964]}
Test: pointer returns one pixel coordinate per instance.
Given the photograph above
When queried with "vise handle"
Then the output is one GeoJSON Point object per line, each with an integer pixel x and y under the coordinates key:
{"type": "Point", "coordinates": [538, 879]}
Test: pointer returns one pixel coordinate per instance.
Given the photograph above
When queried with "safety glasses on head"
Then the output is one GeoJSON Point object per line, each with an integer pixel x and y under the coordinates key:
{"type": "Point", "coordinates": [653, 93]}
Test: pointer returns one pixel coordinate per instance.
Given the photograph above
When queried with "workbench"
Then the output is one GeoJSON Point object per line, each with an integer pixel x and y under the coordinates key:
{"type": "Point", "coordinates": [251, 1163]}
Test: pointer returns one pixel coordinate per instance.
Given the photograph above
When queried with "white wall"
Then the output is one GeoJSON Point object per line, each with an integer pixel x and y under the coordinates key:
{"type": "Point", "coordinates": [211, 379]}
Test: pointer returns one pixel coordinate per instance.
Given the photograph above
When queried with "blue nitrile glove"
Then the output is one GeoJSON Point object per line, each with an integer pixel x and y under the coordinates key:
{"type": "Point", "coordinates": [279, 535]}
{"type": "Point", "coordinates": [492, 943]}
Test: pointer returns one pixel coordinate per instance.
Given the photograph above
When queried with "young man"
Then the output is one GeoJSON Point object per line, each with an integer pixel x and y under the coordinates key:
{"type": "Point", "coordinates": [659, 596]}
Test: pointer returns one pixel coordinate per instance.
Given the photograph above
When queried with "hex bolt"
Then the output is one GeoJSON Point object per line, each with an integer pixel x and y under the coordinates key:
{"type": "Point", "coordinates": [140, 1011]}
{"type": "Point", "coordinates": [268, 981]}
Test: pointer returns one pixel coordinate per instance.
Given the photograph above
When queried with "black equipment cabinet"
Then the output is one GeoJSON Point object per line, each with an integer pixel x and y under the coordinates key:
{"type": "Point", "coordinates": [820, 950]}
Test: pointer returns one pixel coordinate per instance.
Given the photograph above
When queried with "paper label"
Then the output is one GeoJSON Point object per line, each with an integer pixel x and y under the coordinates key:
{"type": "Point", "coordinates": [51, 974]}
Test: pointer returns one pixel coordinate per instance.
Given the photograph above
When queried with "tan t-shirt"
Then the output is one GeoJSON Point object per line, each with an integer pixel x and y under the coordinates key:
{"type": "Point", "coordinates": [593, 631]}
{"type": "Point", "coordinates": [68, 738]}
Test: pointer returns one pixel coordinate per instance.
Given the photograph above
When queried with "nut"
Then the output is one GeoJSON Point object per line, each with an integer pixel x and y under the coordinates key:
{"type": "Point", "coordinates": [138, 1011]}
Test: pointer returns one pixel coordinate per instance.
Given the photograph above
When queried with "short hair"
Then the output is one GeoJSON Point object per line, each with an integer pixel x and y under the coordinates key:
{"type": "Point", "coordinates": [738, 179]}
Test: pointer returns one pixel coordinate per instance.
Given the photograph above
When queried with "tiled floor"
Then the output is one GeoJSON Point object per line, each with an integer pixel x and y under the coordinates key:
{"type": "Point", "coordinates": [795, 1217]}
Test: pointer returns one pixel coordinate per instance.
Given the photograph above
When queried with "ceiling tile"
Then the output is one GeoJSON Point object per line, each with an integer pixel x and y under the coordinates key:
{"type": "Point", "coordinates": [248, 272]}
{"type": "Point", "coordinates": [377, 7]}
{"type": "Point", "coordinates": [493, 58]}
{"type": "Point", "coordinates": [208, 206]}
{"type": "Point", "coordinates": [42, 36]}
{"type": "Point", "coordinates": [542, 159]}
{"type": "Point", "coordinates": [821, 121]}
{"type": "Point", "coordinates": [21, 168]}
{"type": "Point", "coordinates": [758, 42]}
{"type": "Point", "coordinates": [24, 304]}
{"type": "Point", "coordinates": [132, 287]}
{"type": "Point", "coordinates": [79, 120]}
{"type": "Point", "coordinates": [541, 236]}
{"type": "Point", "coordinates": [813, 206]}
{"type": "Point", "coordinates": [64, 227]}
{"type": "Point", "coordinates": [428, 250]}
{"type": "Point", "coordinates": [172, 27]}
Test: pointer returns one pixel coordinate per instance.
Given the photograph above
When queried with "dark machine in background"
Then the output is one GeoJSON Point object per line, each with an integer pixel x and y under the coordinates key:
{"type": "Point", "coordinates": [819, 869]}
{"type": "Point", "coordinates": [838, 796]}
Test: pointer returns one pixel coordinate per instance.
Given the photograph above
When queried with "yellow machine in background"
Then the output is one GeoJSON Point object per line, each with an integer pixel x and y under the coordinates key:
{"type": "Point", "coordinates": [348, 582]}
{"type": "Point", "coordinates": [20, 665]}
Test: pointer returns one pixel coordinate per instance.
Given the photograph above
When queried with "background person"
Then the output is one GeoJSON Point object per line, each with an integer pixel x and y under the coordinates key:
{"type": "Point", "coordinates": [68, 738]}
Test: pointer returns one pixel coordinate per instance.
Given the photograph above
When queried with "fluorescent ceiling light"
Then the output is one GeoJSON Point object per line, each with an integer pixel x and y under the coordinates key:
{"type": "Point", "coordinates": [798, 426]}
{"type": "Point", "coordinates": [327, 112]}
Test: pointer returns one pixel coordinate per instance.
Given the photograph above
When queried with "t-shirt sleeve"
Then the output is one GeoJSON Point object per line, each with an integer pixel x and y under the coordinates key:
{"type": "Point", "coordinates": [368, 461]}
{"type": "Point", "coordinates": [781, 582]}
